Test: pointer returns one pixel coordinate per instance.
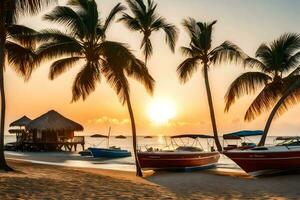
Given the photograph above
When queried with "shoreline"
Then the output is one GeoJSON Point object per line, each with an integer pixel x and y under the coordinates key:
{"type": "Point", "coordinates": [30, 181]}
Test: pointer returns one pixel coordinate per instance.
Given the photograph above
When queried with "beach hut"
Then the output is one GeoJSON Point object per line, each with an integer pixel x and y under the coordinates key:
{"type": "Point", "coordinates": [20, 132]}
{"type": "Point", "coordinates": [52, 131]}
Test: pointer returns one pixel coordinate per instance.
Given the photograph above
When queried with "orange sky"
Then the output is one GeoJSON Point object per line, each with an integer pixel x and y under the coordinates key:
{"type": "Point", "coordinates": [247, 24]}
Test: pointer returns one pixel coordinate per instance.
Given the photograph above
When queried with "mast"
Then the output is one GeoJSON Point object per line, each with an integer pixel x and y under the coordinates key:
{"type": "Point", "coordinates": [108, 137]}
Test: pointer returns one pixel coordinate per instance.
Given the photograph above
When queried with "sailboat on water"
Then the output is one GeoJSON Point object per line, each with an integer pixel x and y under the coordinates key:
{"type": "Point", "coordinates": [109, 152]}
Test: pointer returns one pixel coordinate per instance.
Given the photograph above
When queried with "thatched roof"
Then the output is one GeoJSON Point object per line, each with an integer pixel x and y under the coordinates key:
{"type": "Point", "coordinates": [53, 121]}
{"type": "Point", "coordinates": [23, 121]}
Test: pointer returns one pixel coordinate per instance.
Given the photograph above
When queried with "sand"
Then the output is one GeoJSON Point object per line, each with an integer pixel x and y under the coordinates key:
{"type": "Point", "coordinates": [36, 181]}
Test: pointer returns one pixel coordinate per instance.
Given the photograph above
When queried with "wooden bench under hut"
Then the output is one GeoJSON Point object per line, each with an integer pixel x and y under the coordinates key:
{"type": "Point", "coordinates": [52, 132]}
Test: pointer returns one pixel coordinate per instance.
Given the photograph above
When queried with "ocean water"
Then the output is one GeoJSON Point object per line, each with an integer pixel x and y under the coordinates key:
{"type": "Point", "coordinates": [126, 164]}
{"type": "Point", "coordinates": [160, 142]}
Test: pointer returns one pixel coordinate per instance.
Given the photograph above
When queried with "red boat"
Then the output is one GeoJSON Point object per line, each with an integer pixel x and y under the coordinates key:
{"type": "Point", "coordinates": [181, 157]}
{"type": "Point", "coordinates": [265, 160]}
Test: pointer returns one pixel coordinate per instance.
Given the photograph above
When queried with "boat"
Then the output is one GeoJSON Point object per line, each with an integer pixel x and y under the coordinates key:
{"type": "Point", "coordinates": [148, 137]}
{"type": "Point", "coordinates": [267, 160]}
{"type": "Point", "coordinates": [120, 137]}
{"type": "Point", "coordinates": [243, 137]}
{"type": "Point", "coordinates": [181, 157]}
{"type": "Point", "coordinates": [85, 152]}
{"type": "Point", "coordinates": [109, 152]}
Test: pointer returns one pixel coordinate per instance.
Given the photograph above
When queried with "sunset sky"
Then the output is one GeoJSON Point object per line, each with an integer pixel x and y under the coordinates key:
{"type": "Point", "coordinates": [246, 23]}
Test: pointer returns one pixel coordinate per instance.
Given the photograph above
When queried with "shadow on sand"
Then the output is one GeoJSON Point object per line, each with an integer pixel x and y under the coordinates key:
{"type": "Point", "coordinates": [215, 183]}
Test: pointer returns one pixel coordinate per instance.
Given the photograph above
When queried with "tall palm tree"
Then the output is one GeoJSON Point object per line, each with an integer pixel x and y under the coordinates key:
{"type": "Point", "coordinates": [277, 66]}
{"type": "Point", "coordinates": [145, 20]}
{"type": "Point", "coordinates": [85, 43]}
{"type": "Point", "coordinates": [14, 51]}
{"type": "Point", "coordinates": [200, 53]}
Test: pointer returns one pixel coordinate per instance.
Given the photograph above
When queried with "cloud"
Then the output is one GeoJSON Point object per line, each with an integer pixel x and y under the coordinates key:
{"type": "Point", "coordinates": [109, 120]}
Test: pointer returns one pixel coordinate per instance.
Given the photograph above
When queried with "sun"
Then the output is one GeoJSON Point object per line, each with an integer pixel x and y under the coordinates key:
{"type": "Point", "coordinates": [160, 110]}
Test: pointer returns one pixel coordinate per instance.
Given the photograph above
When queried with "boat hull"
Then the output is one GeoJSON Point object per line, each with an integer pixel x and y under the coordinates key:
{"type": "Point", "coordinates": [258, 163]}
{"type": "Point", "coordinates": [177, 160]}
{"type": "Point", "coordinates": [109, 153]}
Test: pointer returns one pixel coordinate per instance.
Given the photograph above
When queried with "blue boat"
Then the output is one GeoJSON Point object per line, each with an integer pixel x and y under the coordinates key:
{"type": "Point", "coordinates": [109, 152]}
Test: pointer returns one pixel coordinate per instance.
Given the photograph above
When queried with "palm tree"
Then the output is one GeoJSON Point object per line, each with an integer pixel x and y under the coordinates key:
{"type": "Point", "coordinates": [85, 43]}
{"type": "Point", "coordinates": [145, 20]}
{"type": "Point", "coordinates": [200, 53]}
{"type": "Point", "coordinates": [17, 54]}
{"type": "Point", "coordinates": [277, 66]}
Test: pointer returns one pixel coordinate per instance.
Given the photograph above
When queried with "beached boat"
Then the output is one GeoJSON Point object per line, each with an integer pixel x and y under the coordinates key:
{"type": "Point", "coordinates": [111, 152]}
{"type": "Point", "coordinates": [266, 160]}
{"type": "Point", "coordinates": [181, 157]}
{"type": "Point", "coordinates": [243, 137]}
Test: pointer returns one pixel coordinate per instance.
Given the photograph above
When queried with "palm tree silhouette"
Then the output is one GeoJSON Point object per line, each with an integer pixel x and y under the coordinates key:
{"type": "Point", "coordinates": [145, 20]}
{"type": "Point", "coordinates": [200, 53]}
{"type": "Point", "coordinates": [278, 69]}
{"type": "Point", "coordinates": [85, 41]}
{"type": "Point", "coordinates": [17, 50]}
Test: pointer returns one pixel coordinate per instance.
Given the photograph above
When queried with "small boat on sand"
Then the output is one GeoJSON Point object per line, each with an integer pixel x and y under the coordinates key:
{"type": "Point", "coordinates": [109, 152]}
{"type": "Point", "coordinates": [266, 160]}
{"type": "Point", "coordinates": [181, 157]}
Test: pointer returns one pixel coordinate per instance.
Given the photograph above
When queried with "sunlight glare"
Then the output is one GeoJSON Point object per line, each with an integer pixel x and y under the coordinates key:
{"type": "Point", "coordinates": [160, 111]}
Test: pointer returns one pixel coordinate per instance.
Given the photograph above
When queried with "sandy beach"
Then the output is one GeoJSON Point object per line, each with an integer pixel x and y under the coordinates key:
{"type": "Point", "coordinates": [37, 181]}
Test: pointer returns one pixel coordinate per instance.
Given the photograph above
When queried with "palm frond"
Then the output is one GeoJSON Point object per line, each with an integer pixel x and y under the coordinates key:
{"type": "Point", "coordinates": [190, 26]}
{"type": "Point", "coordinates": [85, 81]}
{"type": "Point", "coordinates": [137, 8]}
{"type": "Point", "coordinates": [139, 72]}
{"type": "Point", "coordinates": [255, 63]}
{"type": "Point", "coordinates": [68, 17]}
{"type": "Point", "coordinates": [291, 83]}
{"type": "Point", "coordinates": [130, 22]}
{"type": "Point", "coordinates": [227, 51]}
{"type": "Point", "coordinates": [265, 100]}
{"type": "Point", "coordinates": [52, 50]}
{"type": "Point", "coordinates": [187, 68]}
{"type": "Point", "coordinates": [117, 9]}
{"type": "Point", "coordinates": [293, 62]}
{"type": "Point", "coordinates": [16, 8]}
{"type": "Point", "coordinates": [60, 66]}
{"type": "Point", "coordinates": [247, 83]}
{"type": "Point", "coordinates": [170, 30]}
{"type": "Point", "coordinates": [22, 34]}
{"type": "Point", "coordinates": [21, 59]}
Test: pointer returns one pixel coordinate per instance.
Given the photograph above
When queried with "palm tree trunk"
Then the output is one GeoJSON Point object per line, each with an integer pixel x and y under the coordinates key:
{"type": "Point", "coordinates": [137, 163]}
{"type": "Point", "coordinates": [275, 109]}
{"type": "Point", "coordinates": [3, 164]}
{"type": "Point", "coordinates": [211, 108]}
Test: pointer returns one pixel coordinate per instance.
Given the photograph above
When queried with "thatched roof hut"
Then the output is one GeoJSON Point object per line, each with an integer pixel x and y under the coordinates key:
{"type": "Point", "coordinates": [23, 121]}
{"type": "Point", "coordinates": [54, 122]}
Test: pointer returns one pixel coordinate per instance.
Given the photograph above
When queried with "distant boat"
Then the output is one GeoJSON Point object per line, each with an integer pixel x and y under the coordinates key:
{"type": "Point", "coordinates": [148, 136]}
{"type": "Point", "coordinates": [121, 137]}
{"type": "Point", "coordinates": [266, 160]}
{"type": "Point", "coordinates": [98, 136]}
{"type": "Point", "coordinates": [181, 157]}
